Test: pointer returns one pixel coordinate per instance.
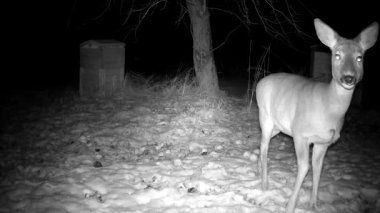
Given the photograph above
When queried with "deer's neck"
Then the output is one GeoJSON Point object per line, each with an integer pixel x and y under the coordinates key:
{"type": "Point", "coordinates": [339, 98]}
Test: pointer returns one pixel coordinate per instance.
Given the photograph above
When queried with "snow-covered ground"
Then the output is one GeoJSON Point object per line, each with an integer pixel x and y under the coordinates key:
{"type": "Point", "coordinates": [181, 153]}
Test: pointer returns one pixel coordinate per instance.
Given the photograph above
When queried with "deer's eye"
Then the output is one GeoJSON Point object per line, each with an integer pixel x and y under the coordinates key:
{"type": "Point", "coordinates": [359, 58]}
{"type": "Point", "coordinates": [337, 56]}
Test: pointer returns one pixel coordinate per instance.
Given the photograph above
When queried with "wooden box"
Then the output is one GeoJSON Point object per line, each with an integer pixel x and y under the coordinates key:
{"type": "Point", "coordinates": [101, 68]}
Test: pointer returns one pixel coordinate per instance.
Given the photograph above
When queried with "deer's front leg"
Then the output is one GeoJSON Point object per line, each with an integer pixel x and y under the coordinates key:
{"type": "Point", "coordinates": [302, 152]}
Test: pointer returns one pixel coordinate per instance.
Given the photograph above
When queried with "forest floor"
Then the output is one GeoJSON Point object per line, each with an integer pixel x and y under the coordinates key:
{"type": "Point", "coordinates": [168, 149]}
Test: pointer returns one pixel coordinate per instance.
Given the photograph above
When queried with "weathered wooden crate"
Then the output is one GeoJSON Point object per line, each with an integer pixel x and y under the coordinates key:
{"type": "Point", "coordinates": [320, 69]}
{"type": "Point", "coordinates": [320, 65]}
{"type": "Point", "coordinates": [101, 67]}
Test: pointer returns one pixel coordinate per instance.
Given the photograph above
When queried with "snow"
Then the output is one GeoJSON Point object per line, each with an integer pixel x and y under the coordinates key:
{"type": "Point", "coordinates": [153, 153]}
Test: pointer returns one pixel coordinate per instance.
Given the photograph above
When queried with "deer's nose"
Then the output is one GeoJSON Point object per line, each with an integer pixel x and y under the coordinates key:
{"type": "Point", "coordinates": [349, 79]}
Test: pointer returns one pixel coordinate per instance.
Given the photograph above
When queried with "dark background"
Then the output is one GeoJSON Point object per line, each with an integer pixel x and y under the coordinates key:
{"type": "Point", "coordinates": [42, 39]}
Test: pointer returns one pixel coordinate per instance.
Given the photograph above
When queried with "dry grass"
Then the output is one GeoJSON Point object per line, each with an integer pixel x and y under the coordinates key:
{"type": "Point", "coordinates": [180, 92]}
{"type": "Point", "coordinates": [260, 71]}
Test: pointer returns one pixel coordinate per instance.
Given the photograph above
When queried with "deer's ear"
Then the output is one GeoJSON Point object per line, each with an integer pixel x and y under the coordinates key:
{"type": "Point", "coordinates": [367, 38]}
{"type": "Point", "coordinates": [325, 34]}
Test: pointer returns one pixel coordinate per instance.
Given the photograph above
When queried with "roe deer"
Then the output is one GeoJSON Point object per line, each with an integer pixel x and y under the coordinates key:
{"type": "Point", "coordinates": [309, 111]}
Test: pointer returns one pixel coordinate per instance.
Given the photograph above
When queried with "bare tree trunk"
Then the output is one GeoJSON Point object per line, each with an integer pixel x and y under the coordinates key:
{"type": "Point", "coordinates": [203, 57]}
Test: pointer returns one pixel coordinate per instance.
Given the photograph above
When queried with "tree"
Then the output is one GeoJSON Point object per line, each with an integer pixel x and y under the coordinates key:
{"type": "Point", "coordinates": [203, 58]}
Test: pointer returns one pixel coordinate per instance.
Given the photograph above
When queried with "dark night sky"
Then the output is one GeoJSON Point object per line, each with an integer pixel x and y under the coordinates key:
{"type": "Point", "coordinates": [42, 49]}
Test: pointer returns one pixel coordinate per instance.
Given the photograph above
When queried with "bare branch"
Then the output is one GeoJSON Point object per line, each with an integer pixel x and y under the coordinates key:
{"type": "Point", "coordinates": [146, 9]}
{"type": "Point", "coordinates": [71, 14]}
{"type": "Point", "coordinates": [104, 11]}
{"type": "Point", "coordinates": [274, 21]}
{"type": "Point", "coordinates": [225, 40]}
{"type": "Point", "coordinates": [129, 14]}
{"type": "Point", "coordinates": [243, 22]}
{"type": "Point", "coordinates": [183, 12]}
